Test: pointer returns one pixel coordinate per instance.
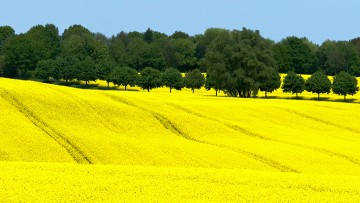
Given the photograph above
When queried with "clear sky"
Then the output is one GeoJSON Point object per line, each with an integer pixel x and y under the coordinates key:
{"type": "Point", "coordinates": [317, 20]}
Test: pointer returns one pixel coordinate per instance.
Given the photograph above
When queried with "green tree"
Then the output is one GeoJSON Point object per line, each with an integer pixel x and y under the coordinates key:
{"type": "Point", "coordinates": [23, 53]}
{"type": "Point", "coordinates": [104, 70]}
{"type": "Point", "coordinates": [142, 55]}
{"type": "Point", "coordinates": [149, 79]}
{"type": "Point", "coordinates": [117, 49]}
{"type": "Point", "coordinates": [269, 80]}
{"type": "Point", "coordinates": [80, 43]}
{"type": "Point", "coordinates": [181, 54]}
{"type": "Point", "coordinates": [148, 35]}
{"type": "Point", "coordinates": [293, 83]}
{"type": "Point", "coordinates": [66, 68]}
{"type": "Point", "coordinates": [6, 32]}
{"type": "Point", "coordinates": [7, 71]}
{"type": "Point", "coordinates": [179, 35]}
{"type": "Point", "coordinates": [87, 70]}
{"type": "Point", "coordinates": [194, 79]}
{"type": "Point", "coordinates": [45, 69]}
{"type": "Point", "coordinates": [244, 54]}
{"type": "Point", "coordinates": [216, 77]}
{"type": "Point", "coordinates": [318, 83]}
{"type": "Point", "coordinates": [344, 84]}
{"type": "Point", "coordinates": [296, 54]}
{"type": "Point", "coordinates": [172, 78]}
{"type": "Point", "coordinates": [47, 39]}
{"type": "Point", "coordinates": [124, 76]}
{"type": "Point", "coordinates": [337, 56]}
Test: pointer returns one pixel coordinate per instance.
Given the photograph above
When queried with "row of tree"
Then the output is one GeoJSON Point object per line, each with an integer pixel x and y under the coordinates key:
{"type": "Point", "coordinates": [238, 62]}
{"type": "Point", "coordinates": [160, 51]}
{"type": "Point", "coordinates": [343, 84]}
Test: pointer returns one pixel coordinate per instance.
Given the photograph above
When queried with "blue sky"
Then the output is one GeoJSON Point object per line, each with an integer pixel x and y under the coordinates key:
{"type": "Point", "coordinates": [317, 20]}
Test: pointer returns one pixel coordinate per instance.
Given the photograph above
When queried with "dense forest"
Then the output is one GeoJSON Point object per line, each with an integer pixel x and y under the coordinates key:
{"type": "Point", "coordinates": [238, 62]}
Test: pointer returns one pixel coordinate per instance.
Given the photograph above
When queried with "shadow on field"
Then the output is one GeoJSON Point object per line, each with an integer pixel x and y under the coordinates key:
{"type": "Point", "coordinates": [320, 99]}
{"type": "Point", "coordinates": [348, 100]}
{"type": "Point", "coordinates": [89, 86]}
{"type": "Point", "coordinates": [94, 86]}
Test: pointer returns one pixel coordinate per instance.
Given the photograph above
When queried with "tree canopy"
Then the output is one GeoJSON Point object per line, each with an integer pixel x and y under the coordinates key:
{"type": "Point", "coordinates": [149, 79]}
{"type": "Point", "coordinates": [194, 79]}
{"type": "Point", "coordinates": [238, 62]}
{"type": "Point", "coordinates": [345, 84]}
{"type": "Point", "coordinates": [318, 83]}
{"type": "Point", "coordinates": [124, 76]}
{"type": "Point", "coordinates": [293, 83]}
{"type": "Point", "coordinates": [172, 78]}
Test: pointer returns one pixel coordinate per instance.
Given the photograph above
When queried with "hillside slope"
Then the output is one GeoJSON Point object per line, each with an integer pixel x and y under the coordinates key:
{"type": "Point", "coordinates": [281, 138]}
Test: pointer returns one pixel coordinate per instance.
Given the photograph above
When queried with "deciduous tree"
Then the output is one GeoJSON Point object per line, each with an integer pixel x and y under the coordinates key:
{"type": "Point", "coordinates": [194, 79]}
{"type": "Point", "coordinates": [172, 78]}
{"type": "Point", "coordinates": [345, 84]}
{"type": "Point", "coordinates": [318, 83]}
{"type": "Point", "coordinates": [269, 80]}
{"type": "Point", "coordinates": [124, 76]}
{"type": "Point", "coordinates": [149, 79]}
{"type": "Point", "coordinates": [293, 83]}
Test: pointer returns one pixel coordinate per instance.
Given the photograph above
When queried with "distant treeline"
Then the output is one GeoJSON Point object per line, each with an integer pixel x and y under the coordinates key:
{"type": "Point", "coordinates": [238, 62]}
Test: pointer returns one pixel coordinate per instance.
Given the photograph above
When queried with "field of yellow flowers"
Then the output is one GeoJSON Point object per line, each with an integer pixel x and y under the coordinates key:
{"type": "Point", "coordinates": [69, 144]}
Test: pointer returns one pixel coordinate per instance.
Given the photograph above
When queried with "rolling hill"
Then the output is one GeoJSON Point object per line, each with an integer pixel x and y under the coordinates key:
{"type": "Point", "coordinates": [97, 145]}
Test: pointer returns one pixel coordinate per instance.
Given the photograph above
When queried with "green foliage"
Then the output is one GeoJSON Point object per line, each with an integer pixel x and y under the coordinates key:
{"type": "Point", "coordinates": [216, 77]}
{"type": "Point", "coordinates": [23, 53]}
{"type": "Point", "coordinates": [66, 68]}
{"type": "Point", "coordinates": [296, 54]}
{"type": "Point", "coordinates": [104, 70]}
{"type": "Point", "coordinates": [124, 76]}
{"type": "Point", "coordinates": [269, 80]}
{"type": "Point", "coordinates": [81, 44]}
{"type": "Point", "coordinates": [337, 56]}
{"type": "Point", "coordinates": [194, 79]}
{"type": "Point", "coordinates": [117, 49]}
{"type": "Point", "coordinates": [293, 83]}
{"type": "Point", "coordinates": [318, 83]}
{"type": "Point", "coordinates": [345, 84]}
{"type": "Point", "coordinates": [142, 55]}
{"type": "Point", "coordinates": [86, 70]}
{"type": "Point", "coordinates": [149, 79]}
{"type": "Point", "coordinates": [179, 35]}
{"type": "Point", "coordinates": [244, 54]}
{"type": "Point", "coordinates": [7, 71]}
{"type": "Point", "coordinates": [181, 54]}
{"type": "Point", "coordinates": [6, 32]}
{"type": "Point", "coordinates": [148, 36]}
{"type": "Point", "coordinates": [172, 78]}
{"type": "Point", "coordinates": [47, 39]}
{"type": "Point", "coordinates": [45, 69]}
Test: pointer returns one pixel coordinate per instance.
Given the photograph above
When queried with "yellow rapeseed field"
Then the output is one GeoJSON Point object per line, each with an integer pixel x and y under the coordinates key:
{"type": "Point", "coordinates": [67, 144]}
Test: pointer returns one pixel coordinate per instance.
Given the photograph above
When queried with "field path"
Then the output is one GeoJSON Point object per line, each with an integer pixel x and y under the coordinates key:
{"type": "Point", "coordinates": [168, 124]}
{"type": "Point", "coordinates": [74, 151]}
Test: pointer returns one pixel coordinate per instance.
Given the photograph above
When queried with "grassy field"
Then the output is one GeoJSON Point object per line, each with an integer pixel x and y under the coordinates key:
{"type": "Point", "coordinates": [71, 144]}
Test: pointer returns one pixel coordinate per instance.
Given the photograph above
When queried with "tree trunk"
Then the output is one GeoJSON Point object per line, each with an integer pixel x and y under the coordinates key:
{"type": "Point", "coordinates": [170, 89]}
{"type": "Point", "coordinates": [86, 82]}
{"type": "Point", "coordinates": [215, 92]}
{"type": "Point", "coordinates": [148, 89]}
{"type": "Point", "coordinates": [108, 85]}
{"type": "Point", "coordinates": [297, 96]}
{"type": "Point", "coordinates": [345, 98]}
{"type": "Point", "coordinates": [66, 80]}
{"type": "Point", "coordinates": [125, 87]}
{"type": "Point", "coordinates": [193, 90]}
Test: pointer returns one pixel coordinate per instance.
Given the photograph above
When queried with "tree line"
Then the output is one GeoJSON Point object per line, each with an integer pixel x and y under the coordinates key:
{"type": "Point", "coordinates": [237, 62]}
